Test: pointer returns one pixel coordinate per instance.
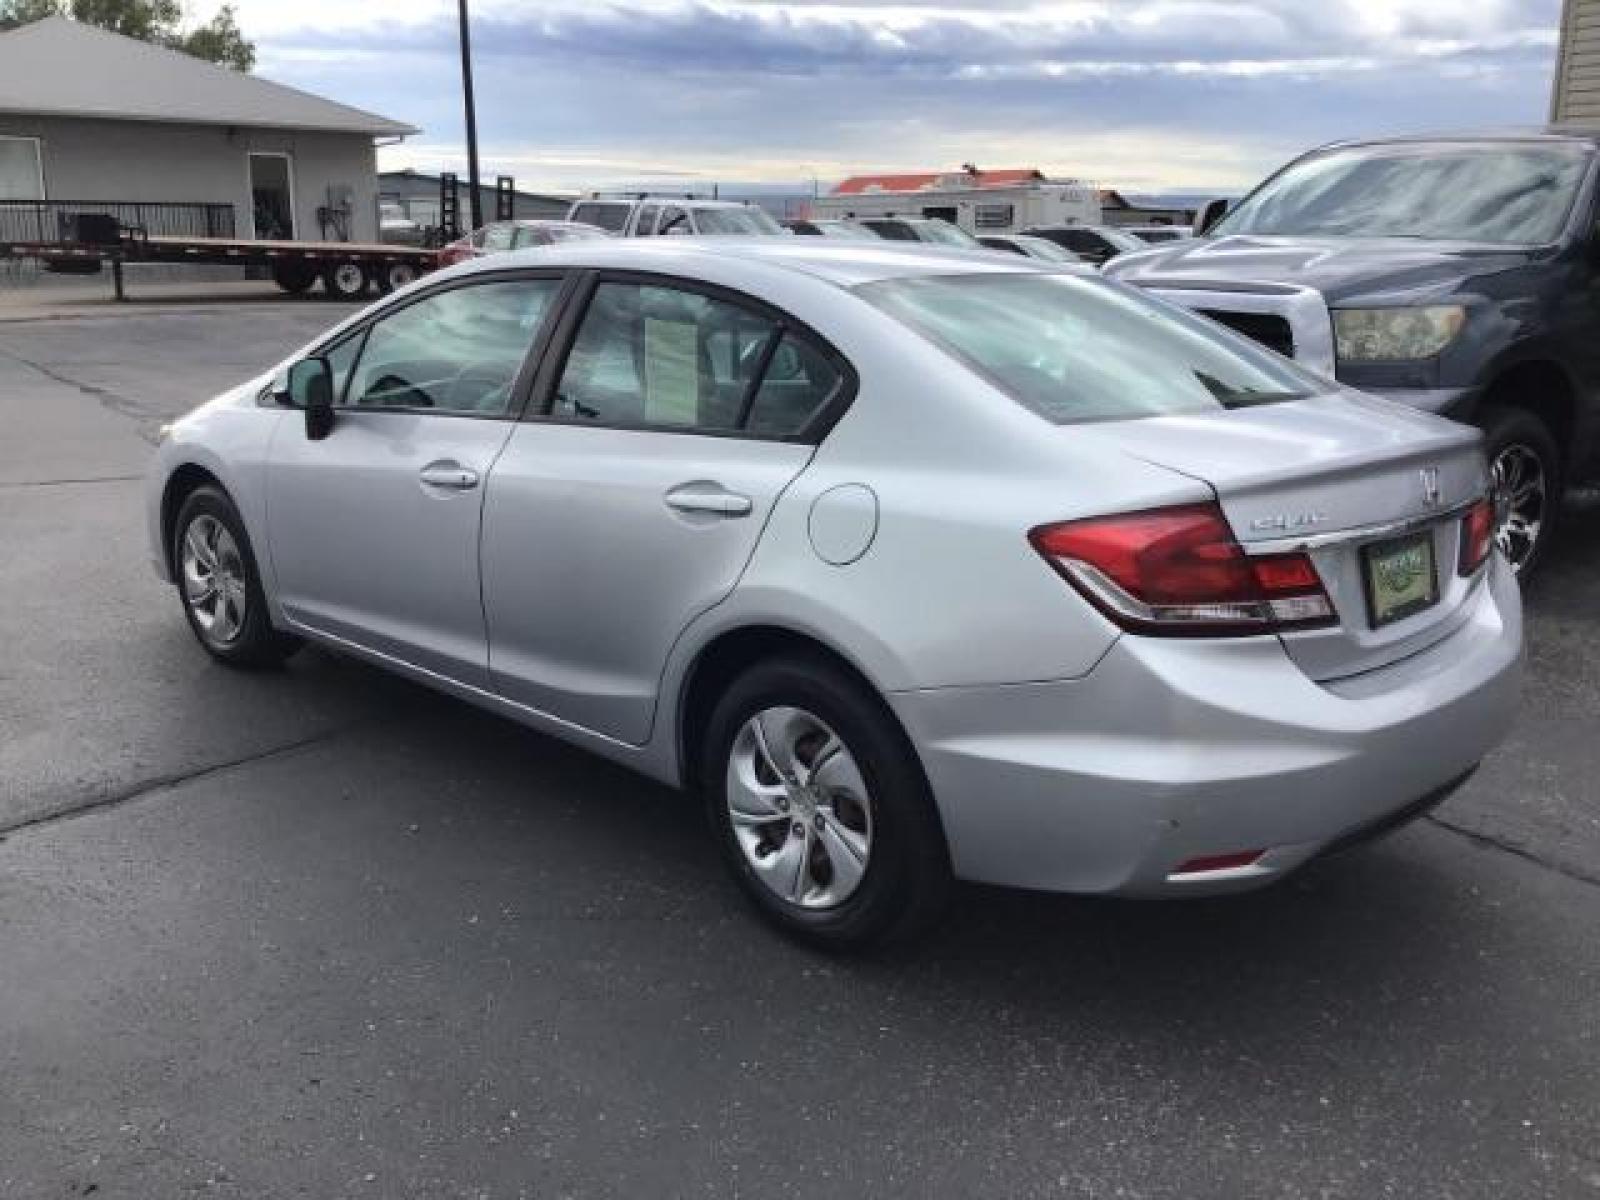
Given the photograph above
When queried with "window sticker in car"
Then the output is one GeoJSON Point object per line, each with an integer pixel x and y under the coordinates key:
{"type": "Point", "coordinates": [671, 377]}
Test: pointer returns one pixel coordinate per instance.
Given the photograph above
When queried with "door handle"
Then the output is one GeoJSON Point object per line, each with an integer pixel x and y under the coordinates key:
{"type": "Point", "coordinates": [449, 475]}
{"type": "Point", "coordinates": [709, 498]}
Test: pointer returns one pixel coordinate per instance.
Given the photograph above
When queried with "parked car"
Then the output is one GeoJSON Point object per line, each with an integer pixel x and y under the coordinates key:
{"type": "Point", "coordinates": [1095, 244]}
{"type": "Point", "coordinates": [395, 228]}
{"type": "Point", "coordinates": [1155, 234]}
{"type": "Point", "coordinates": [654, 216]}
{"type": "Point", "coordinates": [610, 215]}
{"type": "Point", "coordinates": [1029, 247]}
{"type": "Point", "coordinates": [827, 228]}
{"type": "Point", "coordinates": [1459, 275]}
{"type": "Point", "coordinates": [1195, 619]}
{"type": "Point", "coordinates": [919, 229]}
{"type": "Point", "coordinates": [501, 236]}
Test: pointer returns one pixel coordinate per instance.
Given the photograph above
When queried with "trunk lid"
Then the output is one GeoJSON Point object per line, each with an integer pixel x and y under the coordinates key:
{"type": "Point", "coordinates": [1337, 474]}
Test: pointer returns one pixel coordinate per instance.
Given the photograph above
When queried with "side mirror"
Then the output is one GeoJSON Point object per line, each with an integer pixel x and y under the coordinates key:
{"type": "Point", "coordinates": [311, 390]}
{"type": "Point", "coordinates": [1210, 213]}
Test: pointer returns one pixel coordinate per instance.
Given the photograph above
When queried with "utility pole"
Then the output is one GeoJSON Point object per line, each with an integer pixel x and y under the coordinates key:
{"type": "Point", "coordinates": [473, 183]}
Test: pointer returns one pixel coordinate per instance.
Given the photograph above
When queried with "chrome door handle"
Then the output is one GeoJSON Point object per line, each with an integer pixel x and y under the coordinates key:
{"type": "Point", "coordinates": [709, 498]}
{"type": "Point", "coordinates": [449, 475]}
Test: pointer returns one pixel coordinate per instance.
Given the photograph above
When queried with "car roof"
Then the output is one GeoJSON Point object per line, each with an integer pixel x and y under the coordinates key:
{"type": "Point", "coordinates": [843, 262]}
{"type": "Point", "coordinates": [1544, 133]}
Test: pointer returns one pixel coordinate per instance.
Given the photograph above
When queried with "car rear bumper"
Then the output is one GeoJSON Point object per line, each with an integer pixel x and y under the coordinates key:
{"type": "Point", "coordinates": [1174, 749]}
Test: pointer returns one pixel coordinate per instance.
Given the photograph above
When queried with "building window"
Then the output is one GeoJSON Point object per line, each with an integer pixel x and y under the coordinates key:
{"type": "Point", "coordinates": [21, 174]}
{"type": "Point", "coordinates": [993, 216]}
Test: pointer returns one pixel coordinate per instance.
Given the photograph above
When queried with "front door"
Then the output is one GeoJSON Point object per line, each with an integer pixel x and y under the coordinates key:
{"type": "Point", "coordinates": [373, 530]}
{"type": "Point", "coordinates": [272, 197]}
{"type": "Point", "coordinates": [633, 506]}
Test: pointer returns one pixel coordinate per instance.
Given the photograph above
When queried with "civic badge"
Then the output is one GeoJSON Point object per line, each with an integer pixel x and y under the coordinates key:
{"type": "Point", "coordinates": [1432, 493]}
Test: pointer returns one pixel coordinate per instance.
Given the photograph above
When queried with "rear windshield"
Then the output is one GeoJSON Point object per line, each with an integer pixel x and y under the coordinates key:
{"type": "Point", "coordinates": [1076, 348]}
{"type": "Point", "coordinates": [606, 216]}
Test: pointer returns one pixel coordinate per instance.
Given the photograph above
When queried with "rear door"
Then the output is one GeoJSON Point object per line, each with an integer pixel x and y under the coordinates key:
{"type": "Point", "coordinates": [672, 421]}
{"type": "Point", "coordinates": [373, 530]}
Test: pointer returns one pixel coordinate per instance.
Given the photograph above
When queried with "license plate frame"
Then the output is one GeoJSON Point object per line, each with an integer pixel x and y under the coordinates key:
{"type": "Point", "coordinates": [1389, 598]}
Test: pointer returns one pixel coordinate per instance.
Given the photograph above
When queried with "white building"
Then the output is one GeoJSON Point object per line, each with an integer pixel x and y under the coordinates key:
{"type": "Point", "coordinates": [1575, 97]}
{"type": "Point", "coordinates": [978, 201]}
{"type": "Point", "coordinates": [90, 119]}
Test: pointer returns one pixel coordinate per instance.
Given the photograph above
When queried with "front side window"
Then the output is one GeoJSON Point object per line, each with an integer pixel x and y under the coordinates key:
{"type": "Point", "coordinates": [497, 238]}
{"type": "Point", "coordinates": [894, 231]}
{"type": "Point", "coordinates": [1506, 194]}
{"type": "Point", "coordinates": [456, 351]}
{"type": "Point", "coordinates": [529, 235]}
{"type": "Point", "coordinates": [654, 355]}
{"type": "Point", "coordinates": [1076, 348]}
{"type": "Point", "coordinates": [674, 220]}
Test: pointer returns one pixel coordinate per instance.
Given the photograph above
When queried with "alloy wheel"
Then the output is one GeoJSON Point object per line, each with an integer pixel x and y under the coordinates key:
{"type": "Point", "coordinates": [214, 579]}
{"type": "Point", "coordinates": [1522, 495]}
{"type": "Point", "coordinates": [800, 808]}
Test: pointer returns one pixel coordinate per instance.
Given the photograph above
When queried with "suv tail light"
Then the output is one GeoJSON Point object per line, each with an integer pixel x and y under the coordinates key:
{"type": "Point", "coordinates": [1477, 535]}
{"type": "Point", "coordinates": [1179, 571]}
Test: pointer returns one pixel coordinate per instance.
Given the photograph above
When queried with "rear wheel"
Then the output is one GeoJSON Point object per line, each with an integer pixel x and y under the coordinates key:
{"type": "Point", "coordinates": [220, 586]}
{"type": "Point", "coordinates": [1525, 470]}
{"type": "Point", "coordinates": [820, 807]}
{"type": "Point", "coordinates": [295, 278]}
{"type": "Point", "coordinates": [345, 280]}
{"type": "Point", "coordinates": [396, 275]}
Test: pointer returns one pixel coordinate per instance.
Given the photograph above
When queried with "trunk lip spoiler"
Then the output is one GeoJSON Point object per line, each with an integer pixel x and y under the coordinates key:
{"type": "Point", "coordinates": [1337, 537]}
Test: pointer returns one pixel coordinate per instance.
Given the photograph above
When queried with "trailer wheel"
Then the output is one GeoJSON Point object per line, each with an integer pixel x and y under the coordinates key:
{"type": "Point", "coordinates": [294, 277]}
{"type": "Point", "coordinates": [396, 275]}
{"type": "Point", "coordinates": [345, 280]}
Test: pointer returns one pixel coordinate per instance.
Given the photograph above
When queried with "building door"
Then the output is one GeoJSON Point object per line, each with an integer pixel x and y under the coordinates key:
{"type": "Point", "coordinates": [272, 197]}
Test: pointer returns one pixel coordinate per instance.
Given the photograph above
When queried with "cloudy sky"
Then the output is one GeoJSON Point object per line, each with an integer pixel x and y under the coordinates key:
{"type": "Point", "coordinates": [1144, 95]}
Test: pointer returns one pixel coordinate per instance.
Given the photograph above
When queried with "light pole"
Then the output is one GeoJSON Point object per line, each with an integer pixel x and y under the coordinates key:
{"type": "Point", "coordinates": [473, 191]}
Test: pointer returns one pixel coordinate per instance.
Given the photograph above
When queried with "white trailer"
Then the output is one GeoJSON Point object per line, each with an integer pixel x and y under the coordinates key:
{"type": "Point", "coordinates": [1008, 208]}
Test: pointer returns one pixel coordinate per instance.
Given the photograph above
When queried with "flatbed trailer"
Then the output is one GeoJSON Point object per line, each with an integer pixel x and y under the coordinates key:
{"type": "Point", "coordinates": [347, 270]}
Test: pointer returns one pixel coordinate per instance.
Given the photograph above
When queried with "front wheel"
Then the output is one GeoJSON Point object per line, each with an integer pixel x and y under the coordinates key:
{"type": "Point", "coordinates": [1525, 471]}
{"type": "Point", "coordinates": [821, 808]}
{"type": "Point", "coordinates": [220, 586]}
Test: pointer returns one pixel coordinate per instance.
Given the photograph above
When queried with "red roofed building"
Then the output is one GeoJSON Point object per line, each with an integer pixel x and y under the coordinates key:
{"type": "Point", "coordinates": [977, 201]}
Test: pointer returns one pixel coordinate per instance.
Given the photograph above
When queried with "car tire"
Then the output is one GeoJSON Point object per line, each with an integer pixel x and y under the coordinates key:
{"type": "Point", "coordinates": [219, 584]}
{"type": "Point", "coordinates": [346, 279]}
{"type": "Point", "coordinates": [294, 278]}
{"type": "Point", "coordinates": [1526, 471]}
{"type": "Point", "coordinates": [893, 874]}
{"type": "Point", "coordinates": [396, 275]}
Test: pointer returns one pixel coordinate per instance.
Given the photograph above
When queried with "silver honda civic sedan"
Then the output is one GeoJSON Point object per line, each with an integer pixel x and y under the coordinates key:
{"type": "Point", "coordinates": [916, 564]}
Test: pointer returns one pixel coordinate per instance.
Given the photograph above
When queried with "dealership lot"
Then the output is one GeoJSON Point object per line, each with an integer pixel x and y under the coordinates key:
{"type": "Point", "coordinates": [324, 933]}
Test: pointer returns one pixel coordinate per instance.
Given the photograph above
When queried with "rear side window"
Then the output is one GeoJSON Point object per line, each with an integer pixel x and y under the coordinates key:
{"type": "Point", "coordinates": [645, 226]}
{"type": "Point", "coordinates": [1076, 348]}
{"type": "Point", "coordinates": [456, 351]}
{"type": "Point", "coordinates": [895, 231]}
{"type": "Point", "coordinates": [497, 238]}
{"type": "Point", "coordinates": [606, 216]}
{"type": "Point", "coordinates": [658, 356]}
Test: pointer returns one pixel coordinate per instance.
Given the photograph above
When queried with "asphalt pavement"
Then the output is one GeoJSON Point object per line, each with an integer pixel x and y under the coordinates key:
{"type": "Point", "coordinates": [323, 933]}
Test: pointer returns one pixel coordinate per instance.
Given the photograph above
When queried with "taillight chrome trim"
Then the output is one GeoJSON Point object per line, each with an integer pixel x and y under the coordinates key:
{"type": "Point", "coordinates": [1363, 533]}
{"type": "Point", "coordinates": [1169, 619]}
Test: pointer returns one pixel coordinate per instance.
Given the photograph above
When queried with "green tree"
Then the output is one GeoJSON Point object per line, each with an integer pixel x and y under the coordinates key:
{"type": "Point", "coordinates": [219, 40]}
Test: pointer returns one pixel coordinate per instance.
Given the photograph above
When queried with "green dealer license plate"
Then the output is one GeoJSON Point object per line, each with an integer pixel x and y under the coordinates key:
{"type": "Point", "coordinates": [1401, 580]}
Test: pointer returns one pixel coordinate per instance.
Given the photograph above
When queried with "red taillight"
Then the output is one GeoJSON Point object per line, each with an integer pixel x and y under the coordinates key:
{"type": "Point", "coordinates": [1477, 535]}
{"type": "Point", "coordinates": [1180, 571]}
